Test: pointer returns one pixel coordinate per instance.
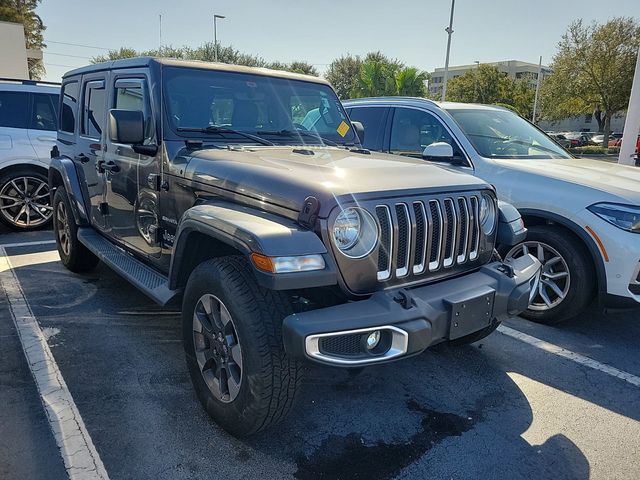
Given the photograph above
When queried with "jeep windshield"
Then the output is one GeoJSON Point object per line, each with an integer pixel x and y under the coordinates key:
{"type": "Point", "coordinates": [502, 134]}
{"type": "Point", "coordinates": [231, 107]}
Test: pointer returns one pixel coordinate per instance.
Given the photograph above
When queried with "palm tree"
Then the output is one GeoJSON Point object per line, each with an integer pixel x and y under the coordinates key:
{"type": "Point", "coordinates": [411, 82]}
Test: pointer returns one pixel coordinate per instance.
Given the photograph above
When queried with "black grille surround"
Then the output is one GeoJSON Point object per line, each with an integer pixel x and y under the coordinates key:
{"type": "Point", "coordinates": [422, 239]}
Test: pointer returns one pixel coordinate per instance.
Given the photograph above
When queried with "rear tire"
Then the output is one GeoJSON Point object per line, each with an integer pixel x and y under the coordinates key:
{"type": "Point", "coordinates": [73, 254]}
{"type": "Point", "coordinates": [261, 380]}
{"type": "Point", "coordinates": [561, 296]}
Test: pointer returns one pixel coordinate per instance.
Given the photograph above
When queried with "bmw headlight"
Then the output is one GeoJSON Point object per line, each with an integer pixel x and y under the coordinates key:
{"type": "Point", "coordinates": [626, 217]}
{"type": "Point", "coordinates": [355, 232]}
{"type": "Point", "coordinates": [488, 214]}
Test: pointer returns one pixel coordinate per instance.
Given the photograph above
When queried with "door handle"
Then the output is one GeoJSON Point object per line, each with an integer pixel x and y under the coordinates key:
{"type": "Point", "coordinates": [46, 139]}
{"type": "Point", "coordinates": [111, 167]}
{"type": "Point", "coordinates": [82, 158]}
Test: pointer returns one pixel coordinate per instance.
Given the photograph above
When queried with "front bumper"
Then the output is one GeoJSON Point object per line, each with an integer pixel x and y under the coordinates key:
{"type": "Point", "coordinates": [412, 319]}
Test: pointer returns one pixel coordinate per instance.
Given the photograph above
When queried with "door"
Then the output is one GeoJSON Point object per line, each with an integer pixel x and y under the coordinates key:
{"type": "Point", "coordinates": [412, 130]}
{"type": "Point", "coordinates": [42, 124]}
{"type": "Point", "coordinates": [89, 154]}
{"type": "Point", "coordinates": [132, 178]}
{"type": "Point", "coordinates": [373, 119]}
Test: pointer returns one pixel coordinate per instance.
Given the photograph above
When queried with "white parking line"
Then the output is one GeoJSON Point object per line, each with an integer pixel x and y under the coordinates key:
{"type": "Point", "coordinates": [80, 457]}
{"type": "Point", "coordinates": [28, 244]}
{"type": "Point", "coordinates": [569, 355]}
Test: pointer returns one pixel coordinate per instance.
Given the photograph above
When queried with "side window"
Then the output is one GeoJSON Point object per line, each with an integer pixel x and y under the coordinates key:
{"type": "Point", "coordinates": [373, 120]}
{"type": "Point", "coordinates": [94, 109]}
{"type": "Point", "coordinates": [43, 116]}
{"type": "Point", "coordinates": [69, 108]}
{"type": "Point", "coordinates": [14, 107]}
{"type": "Point", "coordinates": [133, 94]}
{"type": "Point", "coordinates": [412, 130]}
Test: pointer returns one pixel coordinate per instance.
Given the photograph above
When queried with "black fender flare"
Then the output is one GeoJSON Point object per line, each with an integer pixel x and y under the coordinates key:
{"type": "Point", "coordinates": [250, 231]}
{"type": "Point", "coordinates": [592, 248]}
{"type": "Point", "coordinates": [65, 168]}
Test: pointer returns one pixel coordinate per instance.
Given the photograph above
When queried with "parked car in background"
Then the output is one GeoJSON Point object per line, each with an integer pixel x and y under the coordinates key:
{"type": "Point", "coordinates": [583, 215]}
{"type": "Point", "coordinates": [560, 139]}
{"type": "Point", "coordinates": [28, 116]}
{"type": "Point", "coordinates": [577, 139]}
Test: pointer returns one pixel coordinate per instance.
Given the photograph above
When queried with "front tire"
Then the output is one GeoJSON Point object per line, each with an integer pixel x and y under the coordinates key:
{"type": "Point", "coordinates": [233, 345]}
{"type": "Point", "coordinates": [25, 202]}
{"type": "Point", "coordinates": [568, 278]}
{"type": "Point", "coordinates": [73, 254]}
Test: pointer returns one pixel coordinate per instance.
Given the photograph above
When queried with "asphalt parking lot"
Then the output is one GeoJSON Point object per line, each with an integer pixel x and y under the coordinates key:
{"type": "Point", "coordinates": [529, 401]}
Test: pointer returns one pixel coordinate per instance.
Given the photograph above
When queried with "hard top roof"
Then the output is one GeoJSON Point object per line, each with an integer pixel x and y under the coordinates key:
{"type": "Point", "coordinates": [197, 64]}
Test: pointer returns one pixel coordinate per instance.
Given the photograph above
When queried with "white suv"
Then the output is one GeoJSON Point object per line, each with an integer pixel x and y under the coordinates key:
{"type": "Point", "coordinates": [28, 116]}
{"type": "Point", "coordinates": [583, 215]}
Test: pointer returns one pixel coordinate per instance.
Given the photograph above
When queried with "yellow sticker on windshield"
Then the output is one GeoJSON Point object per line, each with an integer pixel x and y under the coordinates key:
{"type": "Point", "coordinates": [343, 128]}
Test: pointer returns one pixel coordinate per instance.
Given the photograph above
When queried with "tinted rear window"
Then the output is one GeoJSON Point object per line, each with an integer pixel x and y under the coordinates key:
{"type": "Point", "coordinates": [69, 107]}
{"type": "Point", "coordinates": [372, 119]}
{"type": "Point", "coordinates": [14, 109]}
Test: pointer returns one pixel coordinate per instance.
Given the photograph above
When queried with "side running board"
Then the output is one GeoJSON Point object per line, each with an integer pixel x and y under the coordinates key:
{"type": "Point", "coordinates": [146, 279]}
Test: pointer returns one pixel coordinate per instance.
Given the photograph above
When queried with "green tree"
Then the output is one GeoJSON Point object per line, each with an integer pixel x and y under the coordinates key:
{"type": "Point", "coordinates": [486, 84]}
{"type": "Point", "coordinates": [23, 11]}
{"type": "Point", "coordinates": [411, 82]}
{"type": "Point", "coordinates": [376, 77]}
{"type": "Point", "coordinates": [592, 71]}
{"type": "Point", "coordinates": [343, 73]}
{"type": "Point", "coordinates": [123, 52]}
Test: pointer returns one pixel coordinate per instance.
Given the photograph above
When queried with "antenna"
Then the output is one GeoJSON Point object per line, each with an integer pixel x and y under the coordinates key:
{"type": "Point", "coordinates": [160, 20]}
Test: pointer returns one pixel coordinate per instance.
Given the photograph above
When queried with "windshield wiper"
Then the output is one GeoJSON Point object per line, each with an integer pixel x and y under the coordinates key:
{"type": "Point", "coordinates": [300, 133]}
{"type": "Point", "coordinates": [222, 130]}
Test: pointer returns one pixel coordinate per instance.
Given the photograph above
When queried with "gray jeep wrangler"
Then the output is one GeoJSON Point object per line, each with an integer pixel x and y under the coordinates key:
{"type": "Point", "coordinates": [245, 195]}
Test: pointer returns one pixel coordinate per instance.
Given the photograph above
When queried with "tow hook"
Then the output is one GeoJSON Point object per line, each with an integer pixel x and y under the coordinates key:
{"type": "Point", "coordinates": [403, 299]}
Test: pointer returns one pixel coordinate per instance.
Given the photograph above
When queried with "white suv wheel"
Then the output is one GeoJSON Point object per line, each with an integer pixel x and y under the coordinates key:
{"type": "Point", "coordinates": [25, 202]}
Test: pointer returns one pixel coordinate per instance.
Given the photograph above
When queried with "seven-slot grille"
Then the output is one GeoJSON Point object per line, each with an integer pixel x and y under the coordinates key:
{"type": "Point", "coordinates": [427, 235]}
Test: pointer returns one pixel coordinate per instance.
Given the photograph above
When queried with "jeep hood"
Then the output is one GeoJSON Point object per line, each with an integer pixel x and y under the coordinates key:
{"type": "Point", "coordinates": [285, 176]}
{"type": "Point", "coordinates": [620, 180]}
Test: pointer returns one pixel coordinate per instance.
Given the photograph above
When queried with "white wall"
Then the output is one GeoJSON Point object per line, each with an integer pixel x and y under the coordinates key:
{"type": "Point", "coordinates": [13, 53]}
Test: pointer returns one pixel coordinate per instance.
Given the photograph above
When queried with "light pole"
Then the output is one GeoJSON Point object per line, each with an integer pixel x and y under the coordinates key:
{"type": "Point", "coordinates": [449, 31]}
{"type": "Point", "coordinates": [215, 35]}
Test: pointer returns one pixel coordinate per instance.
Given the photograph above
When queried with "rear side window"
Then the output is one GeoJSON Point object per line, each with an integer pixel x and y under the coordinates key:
{"type": "Point", "coordinates": [94, 109]}
{"type": "Point", "coordinates": [14, 109]}
{"type": "Point", "coordinates": [43, 115]}
{"type": "Point", "coordinates": [373, 120]}
{"type": "Point", "coordinates": [69, 107]}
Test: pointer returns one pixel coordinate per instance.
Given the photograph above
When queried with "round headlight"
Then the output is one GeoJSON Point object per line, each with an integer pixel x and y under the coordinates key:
{"type": "Point", "coordinates": [487, 214]}
{"type": "Point", "coordinates": [355, 232]}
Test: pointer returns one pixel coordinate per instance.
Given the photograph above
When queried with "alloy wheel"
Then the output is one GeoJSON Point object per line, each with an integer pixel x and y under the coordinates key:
{"type": "Point", "coordinates": [555, 278]}
{"type": "Point", "coordinates": [25, 202]}
{"type": "Point", "coordinates": [217, 348]}
{"type": "Point", "coordinates": [63, 229]}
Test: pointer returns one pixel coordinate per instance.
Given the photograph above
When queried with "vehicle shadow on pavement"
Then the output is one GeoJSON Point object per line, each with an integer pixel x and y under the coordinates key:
{"type": "Point", "coordinates": [450, 412]}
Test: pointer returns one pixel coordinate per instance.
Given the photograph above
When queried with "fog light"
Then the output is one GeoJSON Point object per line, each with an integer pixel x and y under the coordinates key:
{"type": "Point", "coordinates": [373, 339]}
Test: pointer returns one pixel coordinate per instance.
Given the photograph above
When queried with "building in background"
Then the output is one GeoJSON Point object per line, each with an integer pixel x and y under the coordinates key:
{"type": "Point", "coordinates": [581, 123]}
{"type": "Point", "coordinates": [511, 68]}
{"type": "Point", "coordinates": [13, 53]}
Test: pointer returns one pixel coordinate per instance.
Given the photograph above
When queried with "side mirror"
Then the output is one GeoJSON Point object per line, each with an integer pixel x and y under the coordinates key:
{"type": "Point", "coordinates": [359, 129]}
{"type": "Point", "coordinates": [126, 126]}
{"type": "Point", "coordinates": [438, 151]}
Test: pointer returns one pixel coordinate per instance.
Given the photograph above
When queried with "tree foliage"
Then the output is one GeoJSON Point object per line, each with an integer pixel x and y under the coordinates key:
{"type": "Point", "coordinates": [343, 73]}
{"type": "Point", "coordinates": [593, 71]}
{"type": "Point", "coordinates": [486, 84]}
{"type": "Point", "coordinates": [23, 11]}
{"type": "Point", "coordinates": [206, 53]}
{"type": "Point", "coordinates": [379, 75]}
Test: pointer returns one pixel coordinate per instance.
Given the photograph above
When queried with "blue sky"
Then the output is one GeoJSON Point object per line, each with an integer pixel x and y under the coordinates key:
{"type": "Point", "coordinates": [319, 31]}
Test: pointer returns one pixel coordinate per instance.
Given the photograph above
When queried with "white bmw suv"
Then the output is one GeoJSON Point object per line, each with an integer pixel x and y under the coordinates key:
{"type": "Point", "coordinates": [583, 215]}
{"type": "Point", "coordinates": [28, 116]}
